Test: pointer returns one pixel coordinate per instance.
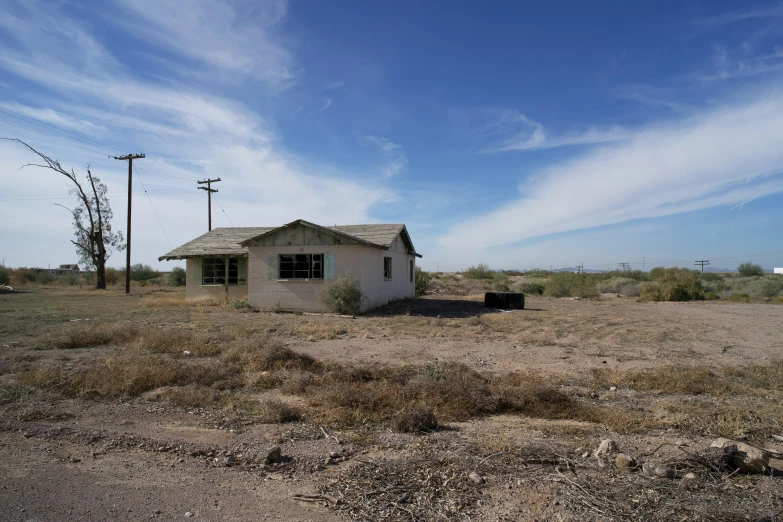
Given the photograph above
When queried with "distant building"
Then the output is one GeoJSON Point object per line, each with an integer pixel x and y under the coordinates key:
{"type": "Point", "coordinates": [778, 271]}
{"type": "Point", "coordinates": [64, 270]}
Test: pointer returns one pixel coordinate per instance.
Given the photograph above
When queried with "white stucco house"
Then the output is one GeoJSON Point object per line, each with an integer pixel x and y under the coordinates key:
{"type": "Point", "coordinates": [286, 267]}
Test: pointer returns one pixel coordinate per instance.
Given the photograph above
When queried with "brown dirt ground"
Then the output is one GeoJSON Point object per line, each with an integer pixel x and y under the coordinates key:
{"type": "Point", "coordinates": [141, 458]}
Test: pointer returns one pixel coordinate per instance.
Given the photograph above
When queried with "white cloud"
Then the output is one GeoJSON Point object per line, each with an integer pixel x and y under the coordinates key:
{"type": "Point", "coordinates": [775, 11]}
{"type": "Point", "coordinates": [509, 130]}
{"type": "Point", "coordinates": [720, 157]}
{"type": "Point", "coordinates": [396, 159]}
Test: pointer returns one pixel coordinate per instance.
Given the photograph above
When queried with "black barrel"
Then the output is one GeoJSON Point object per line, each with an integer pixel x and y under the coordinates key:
{"type": "Point", "coordinates": [505, 300]}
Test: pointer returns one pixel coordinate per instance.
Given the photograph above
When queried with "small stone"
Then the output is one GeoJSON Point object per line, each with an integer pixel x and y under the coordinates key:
{"type": "Point", "coordinates": [273, 455]}
{"type": "Point", "coordinates": [328, 461]}
{"type": "Point", "coordinates": [624, 462]}
{"type": "Point", "coordinates": [189, 515]}
{"type": "Point", "coordinates": [606, 447]}
{"type": "Point", "coordinates": [689, 476]}
{"type": "Point", "coordinates": [613, 388]}
{"type": "Point", "coordinates": [186, 352]}
{"type": "Point", "coordinates": [744, 457]}
{"type": "Point", "coordinates": [585, 454]}
{"type": "Point", "coordinates": [335, 454]}
{"type": "Point", "coordinates": [476, 478]}
{"type": "Point", "coordinates": [229, 460]}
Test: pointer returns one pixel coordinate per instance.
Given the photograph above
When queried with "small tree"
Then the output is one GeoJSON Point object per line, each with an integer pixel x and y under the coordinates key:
{"type": "Point", "coordinates": [5, 275]}
{"type": "Point", "coordinates": [95, 241]}
{"type": "Point", "coordinates": [142, 272]}
{"type": "Point", "coordinates": [749, 269]}
{"type": "Point", "coordinates": [177, 276]}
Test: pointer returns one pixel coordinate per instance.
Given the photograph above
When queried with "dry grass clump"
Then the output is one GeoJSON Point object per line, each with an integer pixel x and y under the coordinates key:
{"type": "Point", "coordinates": [266, 355]}
{"type": "Point", "coordinates": [320, 332]}
{"type": "Point", "coordinates": [178, 300]}
{"type": "Point", "coordinates": [415, 419]}
{"type": "Point", "coordinates": [696, 380]}
{"type": "Point", "coordinates": [274, 411]}
{"type": "Point", "coordinates": [88, 334]}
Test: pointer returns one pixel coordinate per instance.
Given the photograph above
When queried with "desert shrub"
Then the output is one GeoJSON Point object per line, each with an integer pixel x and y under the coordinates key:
{"type": "Point", "coordinates": [113, 276]}
{"type": "Point", "coordinates": [5, 276]}
{"type": "Point", "coordinates": [239, 304]}
{"type": "Point", "coordinates": [85, 334]}
{"type": "Point", "coordinates": [538, 272]}
{"type": "Point", "coordinates": [634, 290]}
{"type": "Point", "coordinates": [414, 419]}
{"type": "Point", "coordinates": [45, 278]}
{"type": "Point", "coordinates": [615, 285]}
{"type": "Point", "coordinates": [656, 273]}
{"type": "Point", "coordinates": [89, 277]}
{"type": "Point", "coordinates": [22, 276]}
{"type": "Point", "coordinates": [749, 269]}
{"type": "Point", "coordinates": [711, 296]}
{"type": "Point", "coordinates": [764, 287]}
{"type": "Point", "coordinates": [500, 282]}
{"type": "Point", "coordinates": [422, 281]}
{"type": "Point", "coordinates": [531, 288]}
{"type": "Point", "coordinates": [342, 296]}
{"type": "Point", "coordinates": [739, 298]}
{"type": "Point", "coordinates": [177, 276]}
{"type": "Point", "coordinates": [676, 284]}
{"type": "Point", "coordinates": [142, 272]}
{"type": "Point", "coordinates": [711, 277]}
{"type": "Point", "coordinates": [635, 275]}
{"type": "Point", "coordinates": [480, 271]}
{"type": "Point", "coordinates": [714, 285]}
{"type": "Point", "coordinates": [275, 411]}
{"type": "Point", "coordinates": [69, 280]}
{"type": "Point", "coordinates": [566, 284]}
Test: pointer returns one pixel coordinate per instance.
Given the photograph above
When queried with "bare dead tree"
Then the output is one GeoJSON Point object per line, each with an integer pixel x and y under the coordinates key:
{"type": "Point", "coordinates": [95, 241]}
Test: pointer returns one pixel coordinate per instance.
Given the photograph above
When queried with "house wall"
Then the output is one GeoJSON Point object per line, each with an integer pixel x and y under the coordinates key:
{"type": "Point", "coordinates": [194, 288]}
{"type": "Point", "coordinates": [359, 262]}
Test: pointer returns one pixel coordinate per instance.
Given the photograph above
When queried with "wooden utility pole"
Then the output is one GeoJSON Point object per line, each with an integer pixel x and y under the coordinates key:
{"type": "Point", "coordinates": [129, 158]}
{"type": "Point", "coordinates": [643, 258]}
{"type": "Point", "coordinates": [624, 266]}
{"type": "Point", "coordinates": [209, 190]}
{"type": "Point", "coordinates": [702, 262]}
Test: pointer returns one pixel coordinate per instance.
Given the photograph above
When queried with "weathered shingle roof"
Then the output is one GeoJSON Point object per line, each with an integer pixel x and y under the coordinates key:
{"type": "Point", "coordinates": [219, 241]}
{"type": "Point", "coordinates": [229, 241]}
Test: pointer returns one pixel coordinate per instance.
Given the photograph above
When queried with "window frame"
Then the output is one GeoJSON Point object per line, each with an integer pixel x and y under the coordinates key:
{"type": "Point", "coordinates": [225, 271]}
{"type": "Point", "coordinates": [388, 273]}
{"type": "Point", "coordinates": [314, 270]}
{"type": "Point", "coordinates": [412, 265]}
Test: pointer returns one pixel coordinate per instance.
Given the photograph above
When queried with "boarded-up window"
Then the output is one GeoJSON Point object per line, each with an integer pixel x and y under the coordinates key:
{"type": "Point", "coordinates": [387, 268]}
{"type": "Point", "coordinates": [301, 266]}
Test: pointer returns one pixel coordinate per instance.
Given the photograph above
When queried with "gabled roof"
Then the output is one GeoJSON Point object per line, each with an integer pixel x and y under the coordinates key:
{"type": "Point", "coordinates": [219, 241]}
{"type": "Point", "coordinates": [233, 241]}
{"type": "Point", "coordinates": [376, 235]}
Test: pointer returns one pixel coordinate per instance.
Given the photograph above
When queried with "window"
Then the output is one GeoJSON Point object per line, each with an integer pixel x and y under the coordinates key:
{"type": "Point", "coordinates": [412, 270]}
{"type": "Point", "coordinates": [301, 266]}
{"type": "Point", "coordinates": [387, 268]}
{"type": "Point", "coordinates": [213, 271]}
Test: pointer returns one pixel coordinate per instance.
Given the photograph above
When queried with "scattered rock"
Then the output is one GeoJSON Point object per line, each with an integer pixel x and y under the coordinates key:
{"type": "Point", "coordinates": [606, 447]}
{"type": "Point", "coordinates": [689, 476]}
{"type": "Point", "coordinates": [273, 455]}
{"type": "Point", "coordinates": [746, 458]}
{"type": "Point", "coordinates": [335, 454]}
{"type": "Point", "coordinates": [613, 388]}
{"type": "Point", "coordinates": [187, 352]}
{"type": "Point", "coordinates": [476, 478]}
{"type": "Point", "coordinates": [652, 469]}
{"type": "Point", "coordinates": [189, 514]}
{"type": "Point", "coordinates": [585, 454]}
{"type": "Point", "coordinates": [229, 460]}
{"type": "Point", "coordinates": [624, 462]}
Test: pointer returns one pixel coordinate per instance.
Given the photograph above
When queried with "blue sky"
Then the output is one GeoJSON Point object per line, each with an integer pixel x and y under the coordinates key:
{"type": "Point", "coordinates": [508, 133]}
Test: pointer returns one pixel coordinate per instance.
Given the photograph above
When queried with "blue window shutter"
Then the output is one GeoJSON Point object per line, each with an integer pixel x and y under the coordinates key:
{"type": "Point", "coordinates": [242, 271]}
{"type": "Point", "coordinates": [197, 272]}
{"type": "Point", "coordinates": [328, 266]}
{"type": "Point", "coordinates": [273, 272]}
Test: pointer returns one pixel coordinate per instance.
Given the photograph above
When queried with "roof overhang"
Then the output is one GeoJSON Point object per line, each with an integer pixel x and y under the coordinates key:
{"type": "Point", "coordinates": [298, 222]}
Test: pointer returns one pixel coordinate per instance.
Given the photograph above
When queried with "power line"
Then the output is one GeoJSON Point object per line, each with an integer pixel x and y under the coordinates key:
{"type": "Point", "coordinates": [129, 158]}
{"type": "Point", "coordinates": [153, 209]}
{"type": "Point", "coordinates": [224, 212]}
{"type": "Point", "coordinates": [210, 191]}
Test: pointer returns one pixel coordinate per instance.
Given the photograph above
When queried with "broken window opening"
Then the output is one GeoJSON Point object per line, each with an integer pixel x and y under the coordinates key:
{"type": "Point", "coordinates": [387, 268]}
{"type": "Point", "coordinates": [301, 266]}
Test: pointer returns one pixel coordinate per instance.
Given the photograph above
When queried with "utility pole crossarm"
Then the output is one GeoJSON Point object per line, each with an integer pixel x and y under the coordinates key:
{"type": "Point", "coordinates": [129, 158]}
{"type": "Point", "coordinates": [702, 262]}
{"type": "Point", "coordinates": [209, 190]}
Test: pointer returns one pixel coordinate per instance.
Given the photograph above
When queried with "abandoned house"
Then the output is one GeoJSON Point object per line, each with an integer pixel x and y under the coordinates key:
{"type": "Point", "coordinates": [286, 267]}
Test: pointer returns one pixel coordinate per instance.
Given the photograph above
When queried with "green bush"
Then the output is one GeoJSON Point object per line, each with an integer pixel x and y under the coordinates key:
{"type": "Point", "coordinates": [711, 296]}
{"type": "Point", "coordinates": [538, 272]}
{"type": "Point", "coordinates": [177, 276]}
{"type": "Point", "coordinates": [656, 273]}
{"type": "Point", "coordinates": [22, 276]}
{"type": "Point", "coordinates": [531, 288]}
{"type": "Point", "coordinates": [422, 281]}
{"type": "Point", "coordinates": [676, 284]}
{"type": "Point", "coordinates": [480, 271]}
{"type": "Point", "coordinates": [765, 287]}
{"type": "Point", "coordinates": [635, 275]}
{"type": "Point", "coordinates": [342, 296]}
{"type": "Point", "coordinates": [615, 285]}
{"type": "Point", "coordinates": [566, 284]}
{"type": "Point", "coordinates": [749, 269]}
{"type": "Point", "coordinates": [5, 276]}
{"type": "Point", "coordinates": [739, 298]}
{"type": "Point", "coordinates": [113, 276]}
{"type": "Point", "coordinates": [711, 277]}
{"type": "Point", "coordinates": [45, 278]}
{"type": "Point", "coordinates": [69, 280]}
{"type": "Point", "coordinates": [142, 272]}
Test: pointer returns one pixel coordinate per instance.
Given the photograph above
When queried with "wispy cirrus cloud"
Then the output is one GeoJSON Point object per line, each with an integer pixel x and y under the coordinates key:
{"type": "Point", "coordinates": [509, 130]}
{"type": "Point", "coordinates": [774, 11]}
{"type": "Point", "coordinates": [396, 159]}
{"type": "Point", "coordinates": [721, 156]}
